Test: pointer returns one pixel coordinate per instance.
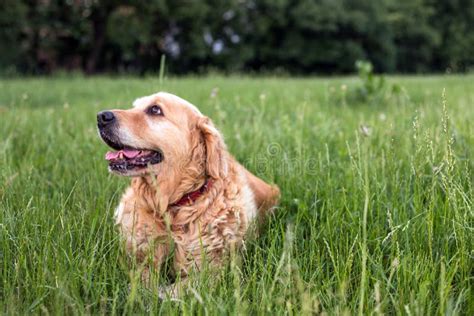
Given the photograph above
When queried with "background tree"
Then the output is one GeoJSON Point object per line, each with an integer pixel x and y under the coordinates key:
{"type": "Point", "coordinates": [296, 36]}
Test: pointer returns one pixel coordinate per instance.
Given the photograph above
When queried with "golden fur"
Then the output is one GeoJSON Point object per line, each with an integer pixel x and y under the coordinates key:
{"type": "Point", "coordinates": [194, 151]}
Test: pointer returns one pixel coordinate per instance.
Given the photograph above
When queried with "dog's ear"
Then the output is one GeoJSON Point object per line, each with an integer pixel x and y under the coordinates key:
{"type": "Point", "coordinates": [215, 164]}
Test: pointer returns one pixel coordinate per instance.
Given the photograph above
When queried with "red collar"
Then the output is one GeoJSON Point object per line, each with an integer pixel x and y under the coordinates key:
{"type": "Point", "coordinates": [190, 197]}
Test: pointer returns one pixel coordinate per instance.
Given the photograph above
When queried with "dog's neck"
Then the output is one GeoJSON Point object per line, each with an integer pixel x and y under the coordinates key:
{"type": "Point", "coordinates": [190, 197]}
{"type": "Point", "coordinates": [159, 195]}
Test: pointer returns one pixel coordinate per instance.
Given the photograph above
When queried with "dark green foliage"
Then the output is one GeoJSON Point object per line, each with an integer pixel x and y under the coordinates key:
{"type": "Point", "coordinates": [454, 22]}
{"type": "Point", "coordinates": [415, 38]}
{"type": "Point", "coordinates": [296, 36]}
{"type": "Point", "coordinates": [12, 17]}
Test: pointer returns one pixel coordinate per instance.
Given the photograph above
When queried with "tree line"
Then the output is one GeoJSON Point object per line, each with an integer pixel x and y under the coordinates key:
{"type": "Point", "coordinates": [290, 36]}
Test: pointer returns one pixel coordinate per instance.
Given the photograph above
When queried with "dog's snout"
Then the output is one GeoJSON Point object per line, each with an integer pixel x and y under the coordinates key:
{"type": "Point", "coordinates": [105, 117]}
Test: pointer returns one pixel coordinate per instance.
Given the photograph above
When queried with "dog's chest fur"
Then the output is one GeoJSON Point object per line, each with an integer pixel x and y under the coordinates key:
{"type": "Point", "coordinates": [209, 227]}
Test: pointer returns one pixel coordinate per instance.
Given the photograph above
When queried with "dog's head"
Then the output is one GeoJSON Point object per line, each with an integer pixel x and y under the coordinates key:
{"type": "Point", "coordinates": [164, 136]}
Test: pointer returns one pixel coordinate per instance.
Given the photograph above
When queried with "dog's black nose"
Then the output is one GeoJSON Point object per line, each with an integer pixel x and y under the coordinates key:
{"type": "Point", "coordinates": [105, 118]}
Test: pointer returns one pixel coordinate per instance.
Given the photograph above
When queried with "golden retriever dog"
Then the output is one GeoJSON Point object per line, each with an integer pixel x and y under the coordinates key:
{"type": "Point", "coordinates": [187, 192]}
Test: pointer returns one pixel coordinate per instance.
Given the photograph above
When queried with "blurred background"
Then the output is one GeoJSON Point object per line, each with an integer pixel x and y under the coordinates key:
{"type": "Point", "coordinates": [235, 36]}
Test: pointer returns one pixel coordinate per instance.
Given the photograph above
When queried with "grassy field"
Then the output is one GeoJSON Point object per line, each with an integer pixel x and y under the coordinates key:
{"type": "Point", "coordinates": [376, 214]}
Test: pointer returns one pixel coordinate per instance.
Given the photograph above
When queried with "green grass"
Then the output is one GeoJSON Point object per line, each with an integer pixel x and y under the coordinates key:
{"type": "Point", "coordinates": [376, 213]}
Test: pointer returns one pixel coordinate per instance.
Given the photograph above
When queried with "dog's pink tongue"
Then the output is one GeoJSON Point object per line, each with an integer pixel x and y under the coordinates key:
{"type": "Point", "coordinates": [111, 155]}
{"type": "Point", "coordinates": [131, 153]}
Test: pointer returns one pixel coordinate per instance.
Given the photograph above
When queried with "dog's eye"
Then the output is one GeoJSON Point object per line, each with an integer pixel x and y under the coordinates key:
{"type": "Point", "coordinates": [154, 110]}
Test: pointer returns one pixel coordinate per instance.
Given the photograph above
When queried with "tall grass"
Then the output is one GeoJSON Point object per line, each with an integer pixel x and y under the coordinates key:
{"type": "Point", "coordinates": [376, 214]}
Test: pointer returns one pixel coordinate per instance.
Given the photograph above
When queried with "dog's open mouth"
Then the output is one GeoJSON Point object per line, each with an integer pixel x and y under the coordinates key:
{"type": "Point", "coordinates": [125, 158]}
{"type": "Point", "coordinates": [128, 159]}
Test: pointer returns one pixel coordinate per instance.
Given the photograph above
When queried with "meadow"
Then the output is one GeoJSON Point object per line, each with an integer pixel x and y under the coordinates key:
{"type": "Point", "coordinates": [376, 215]}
